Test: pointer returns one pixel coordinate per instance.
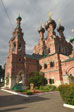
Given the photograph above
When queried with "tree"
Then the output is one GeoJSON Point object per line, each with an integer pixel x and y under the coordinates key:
{"type": "Point", "coordinates": [37, 79]}
{"type": "Point", "coordinates": [2, 72]}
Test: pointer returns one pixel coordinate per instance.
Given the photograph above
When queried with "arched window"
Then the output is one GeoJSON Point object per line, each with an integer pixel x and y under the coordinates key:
{"type": "Point", "coordinates": [51, 64]}
{"type": "Point", "coordinates": [45, 66]}
{"type": "Point", "coordinates": [51, 81]}
{"type": "Point", "coordinates": [40, 67]}
{"type": "Point", "coordinates": [14, 46]}
{"type": "Point", "coordinates": [49, 50]}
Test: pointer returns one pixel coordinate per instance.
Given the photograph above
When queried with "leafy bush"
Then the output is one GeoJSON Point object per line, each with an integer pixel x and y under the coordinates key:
{"type": "Point", "coordinates": [36, 88]}
{"type": "Point", "coordinates": [37, 79]}
{"type": "Point", "coordinates": [29, 93]}
{"type": "Point", "coordinates": [48, 88]}
{"type": "Point", "coordinates": [67, 93]}
{"type": "Point", "coordinates": [52, 88]}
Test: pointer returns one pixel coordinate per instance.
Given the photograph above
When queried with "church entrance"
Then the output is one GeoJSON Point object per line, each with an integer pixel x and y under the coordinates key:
{"type": "Point", "coordinates": [70, 73]}
{"type": "Point", "coordinates": [20, 78]}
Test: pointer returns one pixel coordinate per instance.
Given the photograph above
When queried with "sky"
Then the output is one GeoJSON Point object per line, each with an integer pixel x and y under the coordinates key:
{"type": "Point", "coordinates": [32, 12]}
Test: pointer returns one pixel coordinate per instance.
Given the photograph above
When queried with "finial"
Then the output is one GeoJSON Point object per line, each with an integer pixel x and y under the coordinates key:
{"type": "Point", "coordinates": [49, 15]}
{"type": "Point", "coordinates": [73, 31]}
{"type": "Point", "coordinates": [40, 24]}
{"type": "Point", "coordinates": [59, 21]}
{"type": "Point", "coordinates": [19, 14]}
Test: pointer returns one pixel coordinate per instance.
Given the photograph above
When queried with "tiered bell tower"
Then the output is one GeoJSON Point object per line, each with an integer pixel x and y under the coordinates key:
{"type": "Point", "coordinates": [16, 43]}
{"type": "Point", "coordinates": [15, 59]}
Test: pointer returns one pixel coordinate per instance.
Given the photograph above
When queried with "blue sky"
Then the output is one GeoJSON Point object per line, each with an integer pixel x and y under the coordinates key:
{"type": "Point", "coordinates": [32, 12]}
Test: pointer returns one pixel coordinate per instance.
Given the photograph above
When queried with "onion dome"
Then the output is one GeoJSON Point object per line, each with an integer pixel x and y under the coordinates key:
{"type": "Point", "coordinates": [72, 38]}
{"type": "Point", "coordinates": [18, 21]}
{"type": "Point", "coordinates": [19, 18]}
{"type": "Point", "coordinates": [50, 21]}
{"type": "Point", "coordinates": [60, 28]}
{"type": "Point", "coordinates": [41, 29]}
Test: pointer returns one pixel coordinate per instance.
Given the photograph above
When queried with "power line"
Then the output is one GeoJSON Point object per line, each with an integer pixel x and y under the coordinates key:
{"type": "Point", "coordinates": [6, 13]}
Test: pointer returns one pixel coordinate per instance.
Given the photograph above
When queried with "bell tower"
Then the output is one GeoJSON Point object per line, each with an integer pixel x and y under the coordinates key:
{"type": "Point", "coordinates": [17, 43]}
{"type": "Point", "coordinates": [15, 59]}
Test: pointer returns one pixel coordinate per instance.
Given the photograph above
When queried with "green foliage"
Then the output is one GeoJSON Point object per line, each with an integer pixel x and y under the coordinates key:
{"type": "Point", "coordinates": [2, 71]}
{"type": "Point", "coordinates": [52, 88]}
{"type": "Point", "coordinates": [48, 88]}
{"type": "Point", "coordinates": [67, 93]}
{"type": "Point", "coordinates": [29, 93]}
{"type": "Point", "coordinates": [37, 79]}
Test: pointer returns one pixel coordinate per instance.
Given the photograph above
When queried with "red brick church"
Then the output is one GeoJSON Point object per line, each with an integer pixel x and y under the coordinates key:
{"type": "Point", "coordinates": [53, 56]}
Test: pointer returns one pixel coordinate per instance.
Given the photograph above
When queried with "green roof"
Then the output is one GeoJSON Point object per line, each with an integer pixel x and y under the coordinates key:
{"type": "Point", "coordinates": [46, 55]}
{"type": "Point", "coordinates": [70, 59]}
{"type": "Point", "coordinates": [72, 39]}
{"type": "Point", "coordinates": [37, 57]}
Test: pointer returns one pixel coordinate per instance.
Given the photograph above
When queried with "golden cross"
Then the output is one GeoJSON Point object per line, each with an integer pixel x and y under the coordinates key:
{"type": "Point", "coordinates": [73, 31]}
{"type": "Point", "coordinates": [40, 23]}
{"type": "Point", "coordinates": [59, 21]}
{"type": "Point", "coordinates": [19, 14]}
{"type": "Point", "coordinates": [49, 14]}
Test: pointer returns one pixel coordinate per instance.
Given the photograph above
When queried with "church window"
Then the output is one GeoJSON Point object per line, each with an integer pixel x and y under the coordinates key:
{"type": "Point", "coordinates": [20, 47]}
{"type": "Point", "coordinates": [51, 64]}
{"type": "Point", "coordinates": [51, 81]}
{"type": "Point", "coordinates": [20, 59]}
{"type": "Point", "coordinates": [45, 66]}
{"type": "Point", "coordinates": [14, 46]}
{"type": "Point", "coordinates": [40, 67]}
{"type": "Point", "coordinates": [45, 52]}
{"type": "Point", "coordinates": [49, 50]}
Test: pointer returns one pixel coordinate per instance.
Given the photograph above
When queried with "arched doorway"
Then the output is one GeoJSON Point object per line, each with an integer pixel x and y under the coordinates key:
{"type": "Point", "coordinates": [70, 73]}
{"type": "Point", "coordinates": [20, 79]}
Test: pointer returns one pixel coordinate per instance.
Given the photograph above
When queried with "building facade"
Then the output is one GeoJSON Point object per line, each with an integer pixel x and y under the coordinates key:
{"type": "Point", "coordinates": [53, 56]}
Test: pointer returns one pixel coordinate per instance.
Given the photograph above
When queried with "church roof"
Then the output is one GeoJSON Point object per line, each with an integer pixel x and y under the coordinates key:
{"type": "Point", "coordinates": [33, 56]}
{"type": "Point", "coordinates": [70, 59]}
{"type": "Point", "coordinates": [46, 55]}
{"type": "Point", "coordinates": [72, 39]}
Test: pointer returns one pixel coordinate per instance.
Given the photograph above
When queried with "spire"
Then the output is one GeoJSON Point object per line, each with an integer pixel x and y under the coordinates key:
{"type": "Point", "coordinates": [18, 21]}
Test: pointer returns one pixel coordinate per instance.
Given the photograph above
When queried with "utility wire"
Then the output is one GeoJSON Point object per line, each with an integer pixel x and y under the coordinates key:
{"type": "Point", "coordinates": [6, 13]}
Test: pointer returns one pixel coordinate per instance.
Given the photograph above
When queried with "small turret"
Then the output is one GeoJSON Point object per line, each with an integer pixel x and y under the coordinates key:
{"type": "Point", "coordinates": [72, 38]}
{"type": "Point", "coordinates": [72, 41]}
{"type": "Point", "coordinates": [18, 21]}
{"type": "Point", "coordinates": [60, 29]}
{"type": "Point", "coordinates": [41, 31]}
